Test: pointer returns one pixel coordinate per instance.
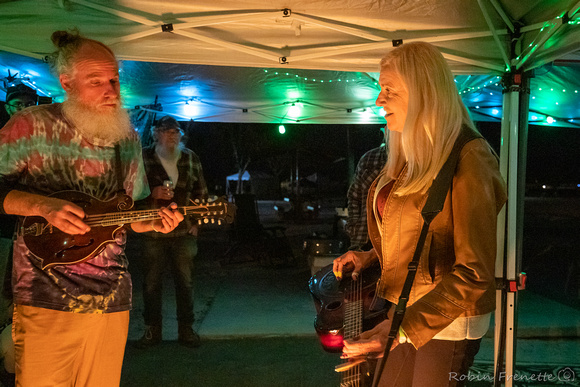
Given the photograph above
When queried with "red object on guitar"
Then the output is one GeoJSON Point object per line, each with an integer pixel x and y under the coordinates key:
{"type": "Point", "coordinates": [343, 312]}
{"type": "Point", "coordinates": [55, 247]}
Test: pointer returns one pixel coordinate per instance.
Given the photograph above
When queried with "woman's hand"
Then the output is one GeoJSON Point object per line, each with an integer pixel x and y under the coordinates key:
{"type": "Point", "coordinates": [357, 260]}
{"type": "Point", "coordinates": [370, 342]}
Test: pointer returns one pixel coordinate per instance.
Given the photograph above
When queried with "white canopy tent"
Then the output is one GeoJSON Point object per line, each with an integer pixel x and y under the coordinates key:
{"type": "Point", "coordinates": [315, 61]}
{"type": "Point", "coordinates": [237, 178]}
{"type": "Point", "coordinates": [295, 60]}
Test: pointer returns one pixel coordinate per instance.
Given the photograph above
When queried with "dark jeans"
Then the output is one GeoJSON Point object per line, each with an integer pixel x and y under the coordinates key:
{"type": "Point", "coordinates": [175, 254]}
{"type": "Point", "coordinates": [439, 363]}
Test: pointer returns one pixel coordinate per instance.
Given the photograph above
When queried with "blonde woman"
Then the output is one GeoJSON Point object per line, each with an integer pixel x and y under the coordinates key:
{"type": "Point", "coordinates": [452, 297]}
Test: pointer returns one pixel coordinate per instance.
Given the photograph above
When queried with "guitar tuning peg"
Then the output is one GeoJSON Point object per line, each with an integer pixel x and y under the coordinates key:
{"type": "Point", "coordinates": [212, 221]}
{"type": "Point", "coordinates": [199, 222]}
{"type": "Point", "coordinates": [219, 222]}
{"type": "Point", "coordinates": [206, 221]}
{"type": "Point", "coordinates": [196, 201]}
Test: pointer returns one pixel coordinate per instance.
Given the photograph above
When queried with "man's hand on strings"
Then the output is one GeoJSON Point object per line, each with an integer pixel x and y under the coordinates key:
{"type": "Point", "coordinates": [64, 215]}
{"type": "Point", "coordinates": [170, 218]}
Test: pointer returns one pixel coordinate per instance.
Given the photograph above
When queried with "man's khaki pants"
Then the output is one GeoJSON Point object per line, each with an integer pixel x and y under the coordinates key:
{"type": "Point", "coordinates": [55, 348]}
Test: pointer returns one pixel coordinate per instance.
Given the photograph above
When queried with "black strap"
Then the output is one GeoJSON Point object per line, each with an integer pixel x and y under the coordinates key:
{"type": "Point", "coordinates": [119, 169]}
{"type": "Point", "coordinates": [434, 204]}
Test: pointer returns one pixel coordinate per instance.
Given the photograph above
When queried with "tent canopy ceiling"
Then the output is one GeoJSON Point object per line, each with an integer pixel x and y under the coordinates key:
{"type": "Point", "coordinates": [288, 61]}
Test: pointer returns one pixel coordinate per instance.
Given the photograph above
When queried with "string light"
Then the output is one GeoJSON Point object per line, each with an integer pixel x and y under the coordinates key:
{"type": "Point", "coordinates": [318, 79]}
{"type": "Point", "coordinates": [485, 87]}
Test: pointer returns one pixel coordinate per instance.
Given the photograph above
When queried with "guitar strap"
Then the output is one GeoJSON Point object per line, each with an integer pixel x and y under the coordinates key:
{"type": "Point", "coordinates": [434, 204]}
{"type": "Point", "coordinates": [119, 169]}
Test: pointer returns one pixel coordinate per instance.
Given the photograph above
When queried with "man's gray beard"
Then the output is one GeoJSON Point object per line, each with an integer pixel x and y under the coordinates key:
{"type": "Point", "coordinates": [109, 127]}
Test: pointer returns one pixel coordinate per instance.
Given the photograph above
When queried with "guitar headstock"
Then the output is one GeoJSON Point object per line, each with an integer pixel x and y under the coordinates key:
{"type": "Point", "coordinates": [218, 211]}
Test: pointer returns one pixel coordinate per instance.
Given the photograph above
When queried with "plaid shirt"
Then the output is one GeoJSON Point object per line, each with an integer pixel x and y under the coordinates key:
{"type": "Point", "coordinates": [190, 184]}
{"type": "Point", "coordinates": [368, 168]}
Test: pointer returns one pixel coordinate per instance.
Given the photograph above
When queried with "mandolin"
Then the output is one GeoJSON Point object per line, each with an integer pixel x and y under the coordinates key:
{"type": "Point", "coordinates": [54, 247]}
{"type": "Point", "coordinates": [345, 309]}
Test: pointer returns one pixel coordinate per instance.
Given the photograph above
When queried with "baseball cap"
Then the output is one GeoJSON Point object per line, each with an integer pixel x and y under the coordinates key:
{"type": "Point", "coordinates": [18, 91]}
{"type": "Point", "coordinates": [167, 123]}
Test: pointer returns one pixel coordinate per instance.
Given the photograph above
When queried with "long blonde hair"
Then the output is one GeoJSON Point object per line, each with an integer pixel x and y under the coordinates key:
{"type": "Point", "coordinates": [435, 115]}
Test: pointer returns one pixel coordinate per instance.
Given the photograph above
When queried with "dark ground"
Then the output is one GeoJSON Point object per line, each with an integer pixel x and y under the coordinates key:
{"type": "Point", "coordinates": [297, 360]}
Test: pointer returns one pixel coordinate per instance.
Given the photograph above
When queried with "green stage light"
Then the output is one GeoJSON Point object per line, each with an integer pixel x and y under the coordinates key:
{"type": "Point", "coordinates": [281, 129]}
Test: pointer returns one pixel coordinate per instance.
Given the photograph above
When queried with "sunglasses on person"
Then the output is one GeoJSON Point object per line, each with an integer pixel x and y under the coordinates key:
{"type": "Point", "coordinates": [21, 105]}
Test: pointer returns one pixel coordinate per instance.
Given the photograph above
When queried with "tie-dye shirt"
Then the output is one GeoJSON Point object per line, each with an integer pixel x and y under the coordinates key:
{"type": "Point", "coordinates": [41, 152]}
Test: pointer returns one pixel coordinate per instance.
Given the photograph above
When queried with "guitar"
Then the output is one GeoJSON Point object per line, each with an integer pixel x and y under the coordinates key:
{"type": "Point", "coordinates": [54, 247]}
{"type": "Point", "coordinates": [344, 310]}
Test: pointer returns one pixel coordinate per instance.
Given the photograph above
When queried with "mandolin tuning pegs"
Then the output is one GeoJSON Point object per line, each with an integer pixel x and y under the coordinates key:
{"type": "Point", "coordinates": [219, 222]}
{"type": "Point", "coordinates": [206, 221]}
{"type": "Point", "coordinates": [212, 221]}
{"type": "Point", "coordinates": [199, 222]}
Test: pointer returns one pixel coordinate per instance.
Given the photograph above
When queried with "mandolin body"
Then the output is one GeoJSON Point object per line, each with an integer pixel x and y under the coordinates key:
{"type": "Point", "coordinates": [55, 247]}
{"type": "Point", "coordinates": [105, 218]}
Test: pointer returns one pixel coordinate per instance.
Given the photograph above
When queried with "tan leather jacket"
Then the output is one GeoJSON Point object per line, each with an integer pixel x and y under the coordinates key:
{"type": "Point", "coordinates": [456, 274]}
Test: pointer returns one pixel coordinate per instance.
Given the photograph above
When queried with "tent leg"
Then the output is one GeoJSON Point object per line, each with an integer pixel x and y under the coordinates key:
{"type": "Point", "coordinates": [510, 224]}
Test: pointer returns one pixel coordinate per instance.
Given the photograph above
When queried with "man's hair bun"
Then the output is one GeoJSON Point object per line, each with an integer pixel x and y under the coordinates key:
{"type": "Point", "coordinates": [65, 38]}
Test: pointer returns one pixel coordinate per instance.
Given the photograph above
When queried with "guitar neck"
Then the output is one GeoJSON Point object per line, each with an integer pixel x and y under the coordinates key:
{"type": "Point", "coordinates": [353, 312]}
{"type": "Point", "coordinates": [128, 217]}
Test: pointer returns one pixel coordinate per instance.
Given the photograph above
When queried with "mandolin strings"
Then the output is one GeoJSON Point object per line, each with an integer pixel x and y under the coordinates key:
{"type": "Point", "coordinates": [118, 218]}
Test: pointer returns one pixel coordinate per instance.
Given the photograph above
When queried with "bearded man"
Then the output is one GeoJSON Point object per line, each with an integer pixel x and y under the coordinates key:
{"type": "Point", "coordinates": [71, 319]}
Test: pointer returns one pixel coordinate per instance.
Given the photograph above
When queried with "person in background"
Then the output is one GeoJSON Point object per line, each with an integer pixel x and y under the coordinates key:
{"type": "Point", "coordinates": [367, 169]}
{"type": "Point", "coordinates": [453, 294]}
{"type": "Point", "coordinates": [70, 321]}
{"type": "Point", "coordinates": [174, 174]}
{"type": "Point", "coordinates": [18, 98]}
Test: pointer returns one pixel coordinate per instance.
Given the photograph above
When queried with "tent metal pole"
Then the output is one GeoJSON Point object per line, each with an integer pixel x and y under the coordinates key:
{"type": "Point", "coordinates": [501, 229]}
{"type": "Point", "coordinates": [541, 60]}
{"type": "Point", "coordinates": [203, 21]}
{"type": "Point", "coordinates": [474, 62]}
{"type": "Point", "coordinates": [574, 10]}
{"type": "Point", "coordinates": [272, 56]}
{"type": "Point", "coordinates": [512, 228]}
{"type": "Point", "coordinates": [136, 35]}
{"type": "Point", "coordinates": [499, 44]}
{"type": "Point", "coordinates": [555, 25]}
{"type": "Point", "coordinates": [512, 167]}
{"type": "Point", "coordinates": [116, 12]}
{"type": "Point", "coordinates": [333, 51]}
{"type": "Point", "coordinates": [22, 52]}
{"type": "Point", "coordinates": [503, 15]}
{"type": "Point", "coordinates": [341, 28]}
